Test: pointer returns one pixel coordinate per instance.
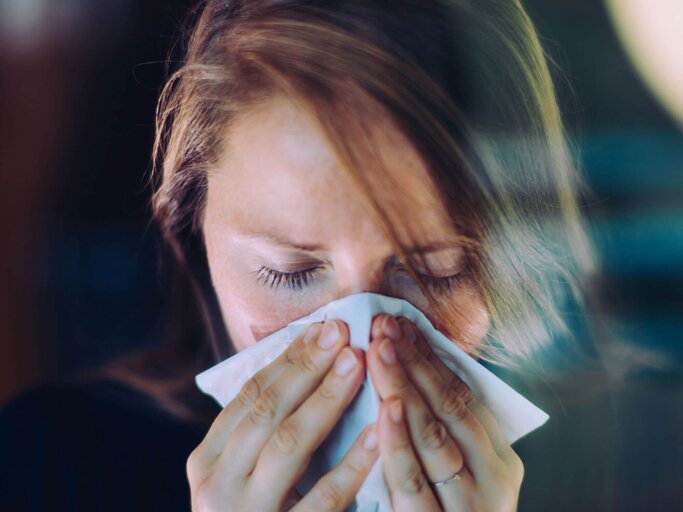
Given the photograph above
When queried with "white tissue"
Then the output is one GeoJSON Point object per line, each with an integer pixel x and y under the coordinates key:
{"type": "Point", "coordinates": [514, 413]}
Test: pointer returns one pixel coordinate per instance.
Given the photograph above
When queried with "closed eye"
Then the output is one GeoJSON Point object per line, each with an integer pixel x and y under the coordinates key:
{"type": "Point", "coordinates": [293, 280]}
{"type": "Point", "coordinates": [300, 279]}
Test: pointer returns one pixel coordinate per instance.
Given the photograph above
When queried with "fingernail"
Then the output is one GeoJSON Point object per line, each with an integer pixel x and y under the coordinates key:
{"type": "Point", "coordinates": [391, 328]}
{"type": "Point", "coordinates": [408, 330]}
{"type": "Point", "coordinates": [345, 363]}
{"type": "Point", "coordinates": [396, 411]}
{"type": "Point", "coordinates": [329, 335]}
{"type": "Point", "coordinates": [370, 439]}
{"type": "Point", "coordinates": [386, 352]}
{"type": "Point", "coordinates": [312, 332]}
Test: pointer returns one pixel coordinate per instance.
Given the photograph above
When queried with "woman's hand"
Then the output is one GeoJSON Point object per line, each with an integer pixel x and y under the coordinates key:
{"type": "Point", "coordinates": [261, 443]}
{"type": "Point", "coordinates": [431, 428]}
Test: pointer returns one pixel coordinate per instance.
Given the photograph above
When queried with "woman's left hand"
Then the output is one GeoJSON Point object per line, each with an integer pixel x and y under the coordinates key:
{"type": "Point", "coordinates": [431, 428]}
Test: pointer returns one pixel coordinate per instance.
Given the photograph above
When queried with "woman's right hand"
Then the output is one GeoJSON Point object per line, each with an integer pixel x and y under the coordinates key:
{"type": "Point", "coordinates": [262, 441]}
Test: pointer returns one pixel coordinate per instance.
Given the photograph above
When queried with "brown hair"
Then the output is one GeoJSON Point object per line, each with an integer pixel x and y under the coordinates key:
{"type": "Point", "coordinates": [466, 81]}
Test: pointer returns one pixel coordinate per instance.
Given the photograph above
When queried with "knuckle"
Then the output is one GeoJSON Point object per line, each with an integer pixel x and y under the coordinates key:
{"type": "Point", "coordinates": [453, 405]}
{"type": "Point", "coordinates": [462, 389]}
{"type": "Point", "coordinates": [327, 391]}
{"type": "Point", "coordinates": [250, 391]}
{"type": "Point", "coordinates": [410, 354]}
{"type": "Point", "coordinates": [401, 444]}
{"type": "Point", "coordinates": [517, 467]}
{"type": "Point", "coordinates": [434, 381]}
{"type": "Point", "coordinates": [192, 467]}
{"type": "Point", "coordinates": [264, 409]}
{"type": "Point", "coordinates": [329, 495]}
{"type": "Point", "coordinates": [204, 497]}
{"type": "Point", "coordinates": [354, 467]}
{"type": "Point", "coordinates": [292, 357]}
{"type": "Point", "coordinates": [286, 437]}
{"type": "Point", "coordinates": [434, 433]}
{"type": "Point", "coordinates": [414, 480]}
{"type": "Point", "coordinates": [401, 385]}
{"type": "Point", "coordinates": [307, 364]}
{"type": "Point", "coordinates": [444, 388]}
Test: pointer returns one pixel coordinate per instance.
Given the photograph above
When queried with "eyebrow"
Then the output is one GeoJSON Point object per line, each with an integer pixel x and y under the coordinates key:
{"type": "Point", "coordinates": [276, 239]}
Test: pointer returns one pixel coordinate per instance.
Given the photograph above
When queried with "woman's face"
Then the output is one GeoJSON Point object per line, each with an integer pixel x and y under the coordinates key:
{"type": "Point", "coordinates": [279, 202]}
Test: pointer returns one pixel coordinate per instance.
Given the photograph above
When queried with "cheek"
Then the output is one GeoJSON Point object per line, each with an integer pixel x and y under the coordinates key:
{"type": "Point", "coordinates": [251, 315]}
{"type": "Point", "coordinates": [250, 311]}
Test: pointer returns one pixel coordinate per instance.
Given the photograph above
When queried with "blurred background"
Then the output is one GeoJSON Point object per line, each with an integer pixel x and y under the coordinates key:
{"type": "Point", "coordinates": [79, 273]}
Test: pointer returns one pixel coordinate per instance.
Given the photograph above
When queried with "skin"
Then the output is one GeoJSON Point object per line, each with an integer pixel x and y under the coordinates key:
{"type": "Point", "coordinates": [278, 175]}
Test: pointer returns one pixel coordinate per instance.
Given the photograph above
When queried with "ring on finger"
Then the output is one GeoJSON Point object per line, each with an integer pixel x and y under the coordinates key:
{"type": "Point", "coordinates": [456, 476]}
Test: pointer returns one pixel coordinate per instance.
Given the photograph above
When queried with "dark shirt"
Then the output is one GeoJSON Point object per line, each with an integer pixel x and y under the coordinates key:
{"type": "Point", "coordinates": [103, 446]}
{"type": "Point", "coordinates": [92, 447]}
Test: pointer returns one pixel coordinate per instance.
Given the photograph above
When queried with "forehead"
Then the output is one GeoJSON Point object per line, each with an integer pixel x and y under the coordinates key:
{"type": "Point", "coordinates": [277, 168]}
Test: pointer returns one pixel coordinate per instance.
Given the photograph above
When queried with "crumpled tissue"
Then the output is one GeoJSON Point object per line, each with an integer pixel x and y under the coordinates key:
{"type": "Point", "coordinates": [514, 413]}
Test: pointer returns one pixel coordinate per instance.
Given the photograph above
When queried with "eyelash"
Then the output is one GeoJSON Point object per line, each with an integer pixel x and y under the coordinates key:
{"type": "Point", "coordinates": [297, 280]}
{"type": "Point", "coordinates": [292, 280]}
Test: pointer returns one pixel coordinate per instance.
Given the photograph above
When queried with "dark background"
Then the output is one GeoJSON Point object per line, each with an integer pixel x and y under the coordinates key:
{"type": "Point", "coordinates": [79, 270]}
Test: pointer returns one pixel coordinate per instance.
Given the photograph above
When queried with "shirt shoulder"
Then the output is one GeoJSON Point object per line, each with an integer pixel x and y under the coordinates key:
{"type": "Point", "coordinates": [99, 445]}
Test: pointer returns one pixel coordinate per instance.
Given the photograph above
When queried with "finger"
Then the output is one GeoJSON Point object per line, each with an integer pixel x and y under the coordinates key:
{"type": "Point", "coordinates": [437, 451]}
{"type": "Point", "coordinates": [337, 489]}
{"type": "Point", "coordinates": [277, 401]}
{"type": "Point", "coordinates": [407, 483]}
{"type": "Point", "coordinates": [448, 400]}
{"type": "Point", "coordinates": [422, 376]}
{"type": "Point", "coordinates": [286, 455]}
{"type": "Point", "coordinates": [235, 411]}
{"type": "Point", "coordinates": [431, 383]}
{"type": "Point", "coordinates": [450, 407]}
{"type": "Point", "coordinates": [414, 337]}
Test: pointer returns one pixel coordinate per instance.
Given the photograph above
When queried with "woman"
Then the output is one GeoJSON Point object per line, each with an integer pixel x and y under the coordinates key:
{"type": "Point", "coordinates": [310, 149]}
{"type": "Point", "coordinates": [315, 149]}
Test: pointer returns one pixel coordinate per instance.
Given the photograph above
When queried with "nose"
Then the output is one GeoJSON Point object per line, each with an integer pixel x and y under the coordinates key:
{"type": "Point", "coordinates": [357, 279]}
